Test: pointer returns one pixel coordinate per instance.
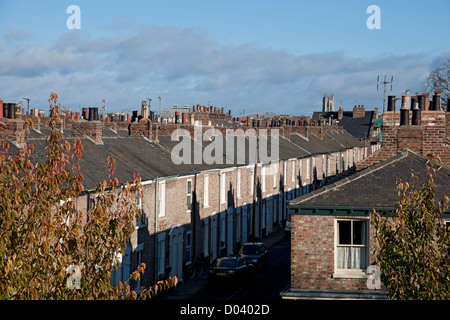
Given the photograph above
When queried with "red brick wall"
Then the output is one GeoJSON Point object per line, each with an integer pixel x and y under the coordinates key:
{"type": "Point", "coordinates": [312, 255]}
{"type": "Point", "coordinates": [428, 138]}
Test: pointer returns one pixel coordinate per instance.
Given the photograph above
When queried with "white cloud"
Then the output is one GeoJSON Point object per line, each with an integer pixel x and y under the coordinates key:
{"type": "Point", "coordinates": [184, 67]}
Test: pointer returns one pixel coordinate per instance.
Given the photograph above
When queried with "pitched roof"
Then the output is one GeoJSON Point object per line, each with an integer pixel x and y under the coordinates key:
{"type": "Point", "coordinates": [358, 127]}
{"type": "Point", "coordinates": [376, 186]}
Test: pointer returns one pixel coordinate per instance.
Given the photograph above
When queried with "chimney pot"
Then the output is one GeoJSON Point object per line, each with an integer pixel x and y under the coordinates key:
{"type": "Point", "coordinates": [404, 115]}
{"type": "Point", "coordinates": [391, 103]}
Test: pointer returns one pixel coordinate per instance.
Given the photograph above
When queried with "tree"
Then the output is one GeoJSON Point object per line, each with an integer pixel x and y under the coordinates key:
{"type": "Point", "coordinates": [439, 79]}
{"type": "Point", "coordinates": [48, 248]}
{"type": "Point", "coordinates": [412, 245]}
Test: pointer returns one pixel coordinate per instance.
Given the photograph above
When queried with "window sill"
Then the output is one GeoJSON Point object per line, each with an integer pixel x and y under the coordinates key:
{"type": "Point", "coordinates": [350, 274]}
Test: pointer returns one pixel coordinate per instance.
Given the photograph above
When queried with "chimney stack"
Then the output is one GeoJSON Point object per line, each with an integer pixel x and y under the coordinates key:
{"type": "Point", "coordinates": [437, 100]}
{"type": "Point", "coordinates": [391, 103]}
{"type": "Point", "coordinates": [416, 115]}
{"type": "Point", "coordinates": [414, 100]}
{"type": "Point", "coordinates": [406, 102]}
{"type": "Point", "coordinates": [84, 113]}
{"type": "Point", "coordinates": [144, 109]}
{"type": "Point", "coordinates": [404, 112]}
{"type": "Point", "coordinates": [421, 100]}
{"type": "Point", "coordinates": [93, 114]}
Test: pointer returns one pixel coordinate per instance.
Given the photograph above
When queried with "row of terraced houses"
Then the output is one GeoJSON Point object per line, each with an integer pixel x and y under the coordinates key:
{"type": "Point", "coordinates": [193, 209]}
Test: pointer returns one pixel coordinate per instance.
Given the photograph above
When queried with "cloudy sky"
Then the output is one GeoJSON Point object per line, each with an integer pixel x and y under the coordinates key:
{"type": "Point", "coordinates": [257, 55]}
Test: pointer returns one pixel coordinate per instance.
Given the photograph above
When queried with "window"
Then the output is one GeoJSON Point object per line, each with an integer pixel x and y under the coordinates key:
{"type": "Point", "coordinates": [140, 221]}
{"type": "Point", "coordinates": [189, 195]}
{"type": "Point", "coordinates": [205, 237]}
{"type": "Point", "coordinates": [238, 224]}
{"type": "Point", "coordinates": [206, 191]}
{"type": "Point", "coordinates": [139, 250]}
{"type": "Point", "coordinates": [307, 168]}
{"type": "Point", "coordinates": [293, 171]}
{"type": "Point", "coordinates": [222, 230]}
{"type": "Point", "coordinates": [252, 182]}
{"type": "Point", "coordinates": [351, 245]}
{"type": "Point", "coordinates": [329, 166]}
{"type": "Point", "coordinates": [222, 188]}
{"type": "Point", "coordinates": [284, 173]}
{"type": "Point", "coordinates": [162, 199]}
{"type": "Point", "coordinates": [161, 252]}
{"type": "Point", "coordinates": [323, 165]}
{"type": "Point", "coordinates": [275, 169]}
{"type": "Point", "coordinates": [300, 170]}
{"type": "Point", "coordinates": [188, 245]}
{"type": "Point", "coordinates": [238, 184]}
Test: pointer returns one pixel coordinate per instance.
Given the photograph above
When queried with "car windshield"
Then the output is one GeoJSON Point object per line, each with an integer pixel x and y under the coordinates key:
{"type": "Point", "coordinates": [227, 263]}
{"type": "Point", "coordinates": [251, 249]}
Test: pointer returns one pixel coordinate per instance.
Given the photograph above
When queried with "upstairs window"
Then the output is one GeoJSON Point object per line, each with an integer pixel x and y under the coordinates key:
{"type": "Point", "coordinates": [351, 245]}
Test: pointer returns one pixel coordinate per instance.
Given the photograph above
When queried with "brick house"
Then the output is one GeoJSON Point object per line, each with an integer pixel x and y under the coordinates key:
{"type": "Point", "coordinates": [188, 208]}
{"type": "Point", "coordinates": [331, 234]}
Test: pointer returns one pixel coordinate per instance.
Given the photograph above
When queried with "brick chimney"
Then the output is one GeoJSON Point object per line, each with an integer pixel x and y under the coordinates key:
{"type": "Point", "coordinates": [15, 131]}
{"type": "Point", "coordinates": [359, 111]}
{"type": "Point", "coordinates": [391, 103]}
{"type": "Point", "coordinates": [436, 100]}
{"type": "Point", "coordinates": [340, 112]}
{"type": "Point", "coordinates": [426, 102]}
{"type": "Point", "coordinates": [93, 130]}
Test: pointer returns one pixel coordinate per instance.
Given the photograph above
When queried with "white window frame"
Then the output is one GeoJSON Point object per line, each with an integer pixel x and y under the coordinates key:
{"type": "Point", "coordinates": [140, 221]}
{"type": "Point", "coordinates": [307, 168]}
{"type": "Point", "coordinates": [162, 199]}
{"type": "Point", "coordinates": [222, 188]}
{"type": "Point", "coordinates": [293, 171]}
{"type": "Point", "coordinates": [350, 273]}
{"type": "Point", "coordinates": [252, 182]}
{"type": "Point", "coordinates": [238, 184]}
{"type": "Point", "coordinates": [188, 196]}
{"type": "Point", "coordinates": [284, 173]}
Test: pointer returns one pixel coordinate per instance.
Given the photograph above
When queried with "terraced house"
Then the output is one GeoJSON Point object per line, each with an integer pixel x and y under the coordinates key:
{"type": "Point", "coordinates": [193, 208]}
{"type": "Point", "coordinates": [332, 238]}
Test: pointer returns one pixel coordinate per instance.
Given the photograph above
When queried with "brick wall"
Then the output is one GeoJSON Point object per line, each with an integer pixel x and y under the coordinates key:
{"type": "Point", "coordinates": [313, 254]}
{"type": "Point", "coordinates": [15, 130]}
{"type": "Point", "coordinates": [428, 138]}
{"type": "Point", "coordinates": [90, 129]}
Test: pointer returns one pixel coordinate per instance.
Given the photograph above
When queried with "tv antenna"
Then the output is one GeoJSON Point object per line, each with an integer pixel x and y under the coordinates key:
{"type": "Point", "coordinates": [384, 83]}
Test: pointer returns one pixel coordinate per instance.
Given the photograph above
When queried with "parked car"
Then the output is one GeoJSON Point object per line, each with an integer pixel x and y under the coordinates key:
{"type": "Point", "coordinates": [233, 270]}
{"type": "Point", "coordinates": [255, 253]}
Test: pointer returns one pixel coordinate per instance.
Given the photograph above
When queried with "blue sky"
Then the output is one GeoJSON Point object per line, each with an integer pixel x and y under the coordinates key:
{"type": "Point", "coordinates": [265, 55]}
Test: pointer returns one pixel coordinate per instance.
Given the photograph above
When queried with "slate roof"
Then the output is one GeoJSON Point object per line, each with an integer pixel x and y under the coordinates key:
{"type": "Point", "coordinates": [358, 127]}
{"type": "Point", "coordinates": [151, 159]}
{"type": "Point", "coordinates": [375, 187]}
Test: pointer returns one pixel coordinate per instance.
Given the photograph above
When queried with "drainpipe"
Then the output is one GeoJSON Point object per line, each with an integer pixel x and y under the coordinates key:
{"type": "Point", "coordinates": [156, 232]}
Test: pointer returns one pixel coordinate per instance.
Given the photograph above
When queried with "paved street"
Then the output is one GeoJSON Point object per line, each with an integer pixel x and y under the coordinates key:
{"type": "Point", "coordinates": [264, 285]}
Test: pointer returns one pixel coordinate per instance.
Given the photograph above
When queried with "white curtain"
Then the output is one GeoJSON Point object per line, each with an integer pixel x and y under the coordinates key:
{"type": "Point", "coordinates": [351, 258]}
